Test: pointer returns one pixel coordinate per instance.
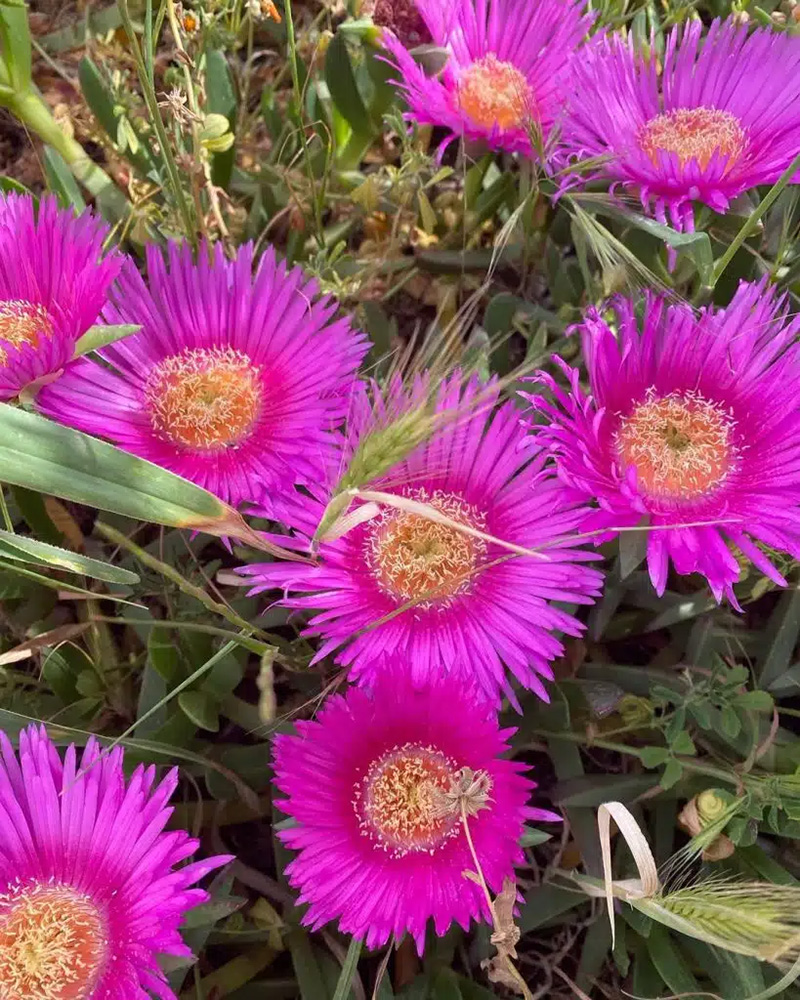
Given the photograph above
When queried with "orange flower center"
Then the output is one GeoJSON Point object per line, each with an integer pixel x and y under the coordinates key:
{"type": "Point", "coordinates": [52, 944]}
{"type": "Point", "coordinates": [207, 399]}
{"type": "Point", "coordinates": [401, 802]}
{"type": "Point", "coordinates": [23, 322]}
{"type": "Point", "coordinates": [495, 93]}
{"type": "Point", "coordinates": [680, 444]}
{"type": "Point", "coordinates": [694, 134]}
{"type": "Point", "coordinates": [417, 559]}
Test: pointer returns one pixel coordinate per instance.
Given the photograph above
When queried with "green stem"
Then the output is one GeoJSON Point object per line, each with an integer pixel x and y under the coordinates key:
{"type": "Point", "coordinates": [348, 969]}
{"type": "Point", "coordinates": [172, 574]}
{"type": "Point", "coordinates": [148, 90]}
{"type": "Point", "coordinates": [254, 645]}
{"type": "Point", "coordinates": [754, 218]}
{"type": "Point", "coordinates": [298, 96]}
{"type": "Point", "coordinates": [6, 516]}
{"type": "Point", "coordinates": [689, 763]}
{"type": "Point", "coordinates": [33, 112]}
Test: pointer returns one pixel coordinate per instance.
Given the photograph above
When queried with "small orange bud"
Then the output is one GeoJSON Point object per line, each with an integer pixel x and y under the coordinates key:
{"type": "Point", "coordinates": [190, 23]}
{"type": "Point", "coordinates": [271, 11]}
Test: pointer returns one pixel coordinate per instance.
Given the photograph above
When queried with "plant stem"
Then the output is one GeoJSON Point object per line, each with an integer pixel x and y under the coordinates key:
{"type": "Point", "coordinates": [254, 645]}
{"type": "Point", "coordinates": [754, 218]}
{"type": "Point", "coordinates": [33, 112]}
{"type": "Point", "coordinates": [172, 574]}
{"type": "Point", "coordinates": [298, 96]}
{"type": "Point", "coordinates": [348, 969]}
{"type": "Point", "coordinates": [197, 145]}
{"type": "Point", "coordinates": [148, 90]}
{"type": "Point", "coordinates": [6, 516]}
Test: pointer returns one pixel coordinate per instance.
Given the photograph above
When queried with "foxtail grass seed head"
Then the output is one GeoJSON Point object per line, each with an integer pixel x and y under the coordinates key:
{"type": "Point", "coordinates": [454, 562]}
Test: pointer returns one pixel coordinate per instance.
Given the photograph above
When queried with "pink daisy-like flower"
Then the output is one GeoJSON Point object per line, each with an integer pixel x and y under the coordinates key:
{"type": "Point", "coordinates": [693, 424]}
{"type": "Point", "coordinates": [53, 283]}
{"type": "Point", "coordinates": [722, 116]}
{"type": "Point", "coordinates": [372, 786]}
{"type": "Point", "coordinates": [403, 586]}
{"type": "Point", "coordinates": [235, 381]}
{"type": "Point", "coordinates": [505, 71]}
{"type": "Point", "coordinates": [89, 889]}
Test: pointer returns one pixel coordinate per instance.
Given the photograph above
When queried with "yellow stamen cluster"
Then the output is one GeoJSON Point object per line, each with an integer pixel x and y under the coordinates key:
{"type": "Point", "coordinates": [206, 399]}
{"type": "Point", "coordinates": [400, 803]}
{"type": "Point", "coordinates": [416, 559]}
{"type": "Point", "coordinates": [23, 322]}
{"type": "Point", "coordinates": [681, 445]}
{"type": "Point", "coordinates": [694, 134]}
{"type": "Point", "coordinates": [52, 944]}
{"type": "Point", "coordinates": [495, 93]}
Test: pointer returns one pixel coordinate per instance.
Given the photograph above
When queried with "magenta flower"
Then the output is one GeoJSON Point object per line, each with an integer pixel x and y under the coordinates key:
{"type": "Point", "coordinates": [89, 889]}
{"type": "Point", "coordinates": [403, 586]}
{"type": "Point", "coordinates": [235, 382]}
{"type": "Point", "coordinates": [381, 847]}
{"type": "Point", "coordinates": [721, 117]}
{"type": "Point", "coordinates": [506, 70]}
{"type": "Point", "coordinates": [693, 424]}
{"type": "Point", "coordinates": [53, 283]}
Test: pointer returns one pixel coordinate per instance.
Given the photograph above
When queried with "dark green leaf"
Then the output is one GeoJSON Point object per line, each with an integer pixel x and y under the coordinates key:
{"type": "Point", "coordinates": [200, 708]}
{"type": "Point", "coordinates": [41, 455]}
{"type": "Point", "coordinates": [782, 632]}
{"type": "Point", "coordinates": [343, 87]}
{"type": "Point", "coordinates": [62, 181]}
{"type": "Point", "coordinates": [221, 100]}
{"type": "Point", "coordinates": [25, 549]}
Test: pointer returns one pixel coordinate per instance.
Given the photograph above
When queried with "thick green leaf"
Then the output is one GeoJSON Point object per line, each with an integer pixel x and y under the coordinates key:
{"type": "Point", "coordinates": [62, 181]}
{"type": "Point", "coordinates": [101, 336]}
{"type": "Point", "coordinates": [349, 968]}
{"type": "Point", "coordinates": [781, 633]}
{"type": "Point", "coordinates": [24, 549]}
{"type": "Point", "coordinates": [221, 100]}
{"type": "Point", "coordinates": [44, 456]}
{"type": "Point", "coordinates": [101, 100]}
{"type": "Point", "coordinates": [671, 964]}
{"type": "Point", "coordinates": [201, 709]}
{"type": "Point", "coordinates": [343, 87]}
{"type": "Point", "coordinates": [15, 41]}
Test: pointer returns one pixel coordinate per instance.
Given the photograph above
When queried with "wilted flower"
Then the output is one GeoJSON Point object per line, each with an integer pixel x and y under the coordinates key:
{"type": "Point", "coordinates": [90, 891]}
{"type": "Point", "coordinates": [721, 117]}
{"type": "Point", "coordinates": [53, 283]}
{"type": "Point", "coordinates": [692, 425]}
{"type": "Point", "coordinates": [235, 381]}
{"type": "Point", "coordinates": [375, 788]}
{"type": "Point", "coordinates": [505, 72]}
{"type": "Point", "coordinates": [401, 17]}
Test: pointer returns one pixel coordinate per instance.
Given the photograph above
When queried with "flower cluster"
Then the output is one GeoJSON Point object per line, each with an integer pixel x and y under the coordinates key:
{"type": "Point", "coordinates": [443, 569]}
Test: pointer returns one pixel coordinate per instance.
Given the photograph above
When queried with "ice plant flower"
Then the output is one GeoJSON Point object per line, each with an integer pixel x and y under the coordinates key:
{"type": "Point", "coordinates": [54, 279]}
{"type": "Point", "coordinates": [235, 381]}
{"type": "Point", "coordinates": [89, 889]}
{"type": "Point", "coordinates": [402, 585]}
{"type": "Point", "coordinates": [373, 786]}
{"type": "Point", "coordinates": [692, 425]}
{"type": "Point", "coordinates": [505, 72]}
{"type": "Point", "coordinates": [722, 116]}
